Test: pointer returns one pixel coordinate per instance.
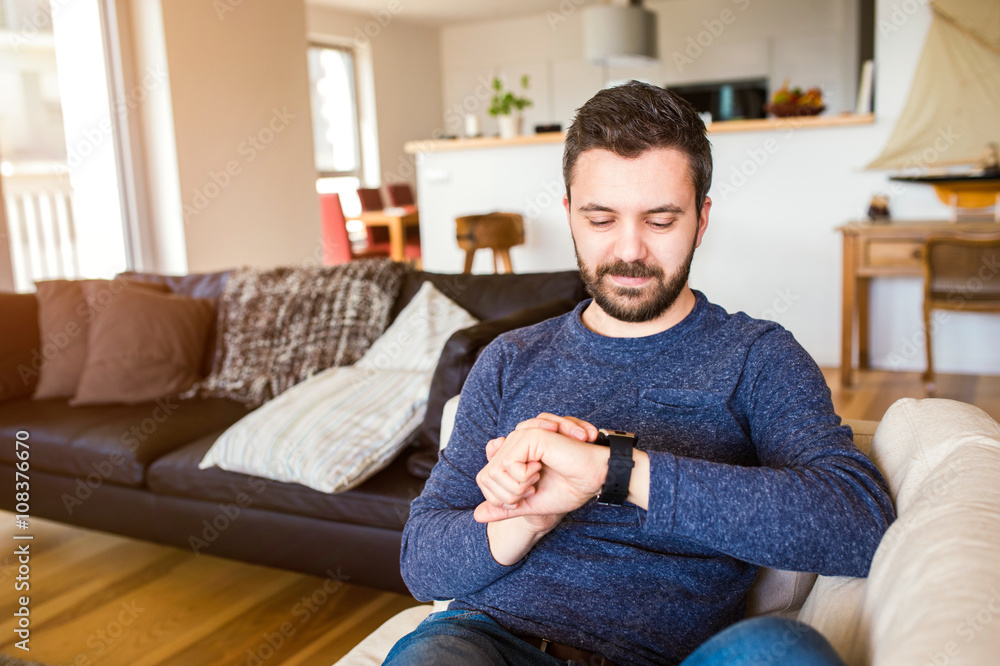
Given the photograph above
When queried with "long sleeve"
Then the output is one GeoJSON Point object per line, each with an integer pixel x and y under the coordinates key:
{"type": "Point", "coordinates": [815, 503]}
{"type": "Point", "coordinates": [445, 552]}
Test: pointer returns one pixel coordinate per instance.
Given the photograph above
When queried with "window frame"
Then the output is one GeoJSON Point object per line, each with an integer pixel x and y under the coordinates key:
{"type": "Point", "coordinates": [359, 170]}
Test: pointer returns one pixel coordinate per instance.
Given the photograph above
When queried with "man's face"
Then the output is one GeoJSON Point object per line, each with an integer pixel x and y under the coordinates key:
{"type": "Point", "coordinates": [635, 228]}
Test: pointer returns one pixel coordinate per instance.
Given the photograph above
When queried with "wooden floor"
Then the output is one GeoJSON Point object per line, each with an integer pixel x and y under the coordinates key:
{"type": "Point", "coordinates": [102, 599]}
{"type": "Point", "coordinates": [874, 391]}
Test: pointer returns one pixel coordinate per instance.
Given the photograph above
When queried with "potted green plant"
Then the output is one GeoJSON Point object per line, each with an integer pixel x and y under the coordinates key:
{"type": "Point", "coordinates": [506, 107]}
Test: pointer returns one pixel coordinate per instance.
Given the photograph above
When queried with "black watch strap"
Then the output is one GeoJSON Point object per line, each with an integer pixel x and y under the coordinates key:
{"type": "Point", "coordinates": [620, 464]}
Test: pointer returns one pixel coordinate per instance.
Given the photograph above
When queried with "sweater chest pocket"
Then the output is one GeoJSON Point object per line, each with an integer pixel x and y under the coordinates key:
{"type": "Point", "coordinates": [684, 421]}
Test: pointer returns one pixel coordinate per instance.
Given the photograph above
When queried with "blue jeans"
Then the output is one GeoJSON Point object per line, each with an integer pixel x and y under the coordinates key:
{"type": "Point", "coordinates": [473, 638]}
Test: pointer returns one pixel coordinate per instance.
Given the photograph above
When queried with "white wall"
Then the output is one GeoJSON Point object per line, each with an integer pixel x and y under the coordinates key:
{"type": "Point", "coordinates": [241, 108]}
{"type": "Point", "coordinates": [811, 42]}
{"type": "Point", "coordinates": [405, 75]}
{"type": "Point", "coordinates": [772, 248]}
{"type": "Point", "coordinates": [228, 148]}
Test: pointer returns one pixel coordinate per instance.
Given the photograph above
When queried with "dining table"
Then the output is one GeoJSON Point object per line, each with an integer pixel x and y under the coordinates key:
{"type": "Point", "coordinates": [396, 219]}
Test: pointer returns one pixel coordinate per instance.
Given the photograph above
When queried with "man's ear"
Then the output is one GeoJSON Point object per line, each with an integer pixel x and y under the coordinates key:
{"type": "Point", "coordinates": [566, 205]}
{"type": "Point", "coordinates": [703, 220]}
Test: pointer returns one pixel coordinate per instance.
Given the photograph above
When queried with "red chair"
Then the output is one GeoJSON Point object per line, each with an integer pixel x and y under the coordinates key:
{"type": "Point", "coordinates": [400, 194]}
{"type": "Point", "coordinates": [371, 199]}
{"type": "Point", "coordinates": [336, 243]}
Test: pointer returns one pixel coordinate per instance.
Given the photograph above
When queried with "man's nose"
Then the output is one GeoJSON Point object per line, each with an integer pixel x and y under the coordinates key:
{"type": "Point", "coordinates": [630, 245]}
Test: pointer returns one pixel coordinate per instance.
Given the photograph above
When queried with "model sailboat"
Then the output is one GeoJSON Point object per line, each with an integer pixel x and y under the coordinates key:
{"type": "Point", "coordinates": [949, 131]}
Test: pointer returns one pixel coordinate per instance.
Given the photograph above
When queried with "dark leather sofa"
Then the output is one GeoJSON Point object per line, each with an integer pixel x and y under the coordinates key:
{"type": "Point", "coordinates": [133, 469]}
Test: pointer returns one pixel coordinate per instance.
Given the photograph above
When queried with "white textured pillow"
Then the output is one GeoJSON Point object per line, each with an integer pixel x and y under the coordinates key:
{"type": "Point", "coordinates": [338, 428]}
{"type": "Point", "coordinates": [415, 339]}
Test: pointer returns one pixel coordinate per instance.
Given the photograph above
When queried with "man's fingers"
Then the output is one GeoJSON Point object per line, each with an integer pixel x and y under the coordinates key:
{"type": "Point", "coordinates": [589, 430]}
{"type": "Point", "coordinates": [500, 488]}
{"type": "Point", "coordinates": [564, 425]}
{"type": "Point", "coordinates": [487, 513]}
{"type": "Point", "coordinates": [493, 446]}
{"type": "Point", "coordinates": [544, 424]}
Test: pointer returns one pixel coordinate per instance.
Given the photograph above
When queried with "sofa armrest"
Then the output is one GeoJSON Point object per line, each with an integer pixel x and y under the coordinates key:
{"type": "Point", "coordinates": [457, 359]}
{"type": "Point", "coordinates": [783, 593]}
{"type": "Point", "coordinates": [933, 592]}
{"type": "Point", "coordinates": [20, 345]}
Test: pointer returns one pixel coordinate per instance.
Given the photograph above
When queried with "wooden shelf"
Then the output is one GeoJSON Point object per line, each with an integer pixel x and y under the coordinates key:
{"type": "Point", "coordinates": [433, 146]}
{"type": "Point", "coordinates": [799, 122]}
{"type": "Point", "coordinates": [757, 125]}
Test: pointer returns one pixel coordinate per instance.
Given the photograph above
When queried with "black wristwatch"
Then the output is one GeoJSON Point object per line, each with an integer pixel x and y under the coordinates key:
{"type": "Point", "coordinates": [620, 464]}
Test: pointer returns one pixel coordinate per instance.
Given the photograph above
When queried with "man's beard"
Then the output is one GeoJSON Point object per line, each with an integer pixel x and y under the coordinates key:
{"type": "Point", "coordinates": [634, 305]}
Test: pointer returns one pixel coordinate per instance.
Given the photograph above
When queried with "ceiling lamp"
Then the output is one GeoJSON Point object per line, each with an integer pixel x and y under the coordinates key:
{"type": "Point", "coordinates": [619, 33]}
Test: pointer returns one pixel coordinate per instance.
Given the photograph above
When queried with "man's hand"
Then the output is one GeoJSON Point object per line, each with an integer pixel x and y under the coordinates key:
{"type": "Point", "coordinates": [566, 425]}
{"type": "Point", "coordinates": [540, 473]}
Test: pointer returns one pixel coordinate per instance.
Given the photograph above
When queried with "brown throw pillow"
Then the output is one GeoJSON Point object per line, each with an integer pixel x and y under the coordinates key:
{"type": "Point", "coordinates": [63, 319]}
{"type": "Point", "coordinates": [18, 343]}
{"type": "Point", "coordinates": [142, 346]}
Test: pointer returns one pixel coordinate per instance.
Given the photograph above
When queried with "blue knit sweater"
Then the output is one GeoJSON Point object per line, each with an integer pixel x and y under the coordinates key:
{"type": "Point", "coordinates": [749, 467]}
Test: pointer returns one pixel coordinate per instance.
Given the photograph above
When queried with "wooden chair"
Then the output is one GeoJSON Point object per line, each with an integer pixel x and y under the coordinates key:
{"type": "Point", "coordinates": [336, 242]}
{"type": "Point", "coordinates": [959, 274]}
{"type": "Point", "coordinates": [400, 194]}
{"type": "Point", "coordinates": [495, 231]}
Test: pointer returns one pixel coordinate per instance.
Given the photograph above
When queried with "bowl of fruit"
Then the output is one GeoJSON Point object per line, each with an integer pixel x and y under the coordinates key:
{"type": "Point", "coordinates": [787, 102]}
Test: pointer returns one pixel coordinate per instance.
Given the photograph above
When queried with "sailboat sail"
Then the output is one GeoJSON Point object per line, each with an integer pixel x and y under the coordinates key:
{"type": "Point", "coordinates": [953, 111]}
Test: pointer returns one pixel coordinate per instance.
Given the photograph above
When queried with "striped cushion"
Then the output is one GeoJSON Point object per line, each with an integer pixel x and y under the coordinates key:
{"type": "Point", "coordinates": [336, 429]}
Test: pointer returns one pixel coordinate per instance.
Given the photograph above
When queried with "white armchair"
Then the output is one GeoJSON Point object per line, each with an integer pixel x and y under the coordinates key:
{"type": "Point", "coordinates": [933, 593]}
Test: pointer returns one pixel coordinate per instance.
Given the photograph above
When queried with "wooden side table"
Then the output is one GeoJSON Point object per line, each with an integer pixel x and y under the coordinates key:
{"type": "Point", "coordinates": [883, 251]}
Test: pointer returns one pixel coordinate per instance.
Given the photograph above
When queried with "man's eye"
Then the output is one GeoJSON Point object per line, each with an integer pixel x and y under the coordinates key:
{"type": "Point", "coordinates": [660, 224]}
{"type": "Point", "coordinates": [599, 222]}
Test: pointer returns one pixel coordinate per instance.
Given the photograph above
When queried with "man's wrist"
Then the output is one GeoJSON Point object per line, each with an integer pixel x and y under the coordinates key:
{"type": "Point", "coordinates": [638, 487]}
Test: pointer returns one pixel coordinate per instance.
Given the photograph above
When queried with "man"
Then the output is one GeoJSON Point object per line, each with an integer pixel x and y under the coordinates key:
{"type": "Point", "coordinates": [740, 461]}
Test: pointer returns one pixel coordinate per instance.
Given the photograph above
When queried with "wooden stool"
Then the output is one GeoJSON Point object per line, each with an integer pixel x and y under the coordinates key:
{"type": "Point", "coordinates": [495, 231]}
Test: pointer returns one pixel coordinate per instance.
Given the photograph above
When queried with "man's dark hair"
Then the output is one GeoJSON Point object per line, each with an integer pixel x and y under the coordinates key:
{"type": "Point", "coordinates": [635, 117]}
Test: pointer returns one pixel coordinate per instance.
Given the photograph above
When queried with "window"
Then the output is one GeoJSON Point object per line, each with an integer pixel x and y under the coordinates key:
{"type": "Point", "coordinates": [334, 111]}
{"type": "Point", "coordinates": [61, 191]}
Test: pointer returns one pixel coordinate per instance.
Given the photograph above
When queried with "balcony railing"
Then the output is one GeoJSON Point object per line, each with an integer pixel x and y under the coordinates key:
{"type": "Point", "coordinates": [40, 223]}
